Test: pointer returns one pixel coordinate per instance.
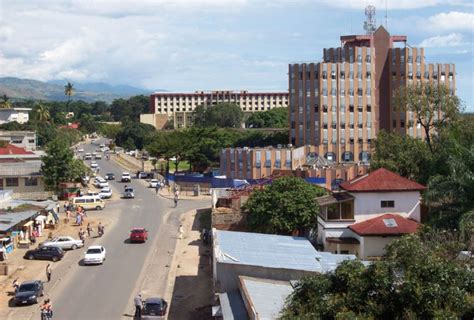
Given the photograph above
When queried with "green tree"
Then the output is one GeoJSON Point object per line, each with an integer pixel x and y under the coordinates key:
{"type": "Point", "coordinates": [5, 103]}
{"type": "Point", "coordinates": [129, 110]}
{"type": "Point", "coordinates": [59, 164]}
{"type": "Point", "coordinates": [42, 113]}
{"type": "Point", "coordinates": [419, 278]}
{"type": "Point", "coordinates": [432, 106]}
{"type": "Point", "coordinates": [88, 123]}
{"type": "Point", "coordinates": [222, 115]}
{"type": "Point", "coordinates": [286, 205]}
{"type": "Point", "coordinates": [109, 130]}
{"type": "Point", "coordinates": [134, 135]}
{"type": "Point", "coordinates": [273, 118]}
{"type": "Point", "coordinates": [68, 91]}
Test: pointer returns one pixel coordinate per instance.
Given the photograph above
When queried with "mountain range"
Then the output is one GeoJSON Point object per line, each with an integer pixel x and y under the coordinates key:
{"type": "Point", "coordinates": [16, 88]}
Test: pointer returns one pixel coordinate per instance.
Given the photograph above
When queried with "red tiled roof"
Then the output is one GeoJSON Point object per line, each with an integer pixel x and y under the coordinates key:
{"type": "Point", "coordinates": [380, 226]}
{"type": "Point", "coordinates": [10, 149]}
{"type": "Point", "coordinates": [70, 126]}
{"type": "Point", "coordinates": [381, 180]}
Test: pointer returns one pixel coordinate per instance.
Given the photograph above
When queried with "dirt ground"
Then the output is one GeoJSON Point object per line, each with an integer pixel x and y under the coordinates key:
{"type": "Point", "coordinates": [23, 270]}
{"type": "Point", "coordinates": [193, 293]}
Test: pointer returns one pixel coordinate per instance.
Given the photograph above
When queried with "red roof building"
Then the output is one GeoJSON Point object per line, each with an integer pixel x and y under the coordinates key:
{"type": "Point", "coordinates": [385, 225]}
{"type": "Point", "coordinates": [70, 126]}
{"type": "Point", "coordinates": [11, 150]}
{"type": "Point", "coordinates": [381, 180]}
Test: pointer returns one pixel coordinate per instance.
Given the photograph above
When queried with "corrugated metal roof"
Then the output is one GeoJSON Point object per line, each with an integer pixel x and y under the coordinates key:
{"type": "Point", "coordinates": [232, 306]}
{"type": "Point", "coordinates": [273, 251]}
{"type": "Point", "coordinates": [20, 169]}
{"type": "Point", "coordinates": [9, 220]}
{"type": "Point", "coordinates": [267, 296]}
{"type": "Point", "coordinates": [334, 198]}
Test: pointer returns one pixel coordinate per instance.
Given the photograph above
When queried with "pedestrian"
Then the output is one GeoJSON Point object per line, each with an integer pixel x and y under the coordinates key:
{"type": "Point", "coordinates": [68, 214]}
{"type": "Point", "coordinates": [48, 272]}
{"type": "Point", "coordinates": [15, 285]}
{"type": "Point", "coordinates": [175, 201]}
{"type": "Point", "coordinates": [57, 207]}
{"type": "Point", "coordinates": [81, 235]}
{"type": "Point", "coordinates": [138, 306]}
{"type": "Point", "coordinates": [157, 187]}
{"type": "Point", "coordinates": [100, 229]}
{"type": "Point", "coordinates": [89, 229]}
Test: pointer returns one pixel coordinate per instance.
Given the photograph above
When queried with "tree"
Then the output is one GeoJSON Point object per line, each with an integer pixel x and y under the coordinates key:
{"type": "Point", "coordinates": [419, 278]}
{"type": "Point", "coordinates": [432, 106]}
{"type": "Point", "coordinates": [134, 135]}
{"type": "Point", "coordinates": [129, 110]}
{"type": "Point", "coordinates": [68, 91]}
{"type": "Point", "coordinates": [5, 103]}
{"type": "Point", "coordinates": [286, 205]}
{"type": "Point", "coordinates": [42, 113]}
{"type": "Point", "coordinates": [273, 118]}
{"type": "Point", "coordinates": [59, 164]}
{"type": "Point", "coordinates": [222, 115]}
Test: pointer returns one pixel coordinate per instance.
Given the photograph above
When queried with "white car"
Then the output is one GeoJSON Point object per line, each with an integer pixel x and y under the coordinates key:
{"type": "Point", "coordinates": [94, 255]}
{"type": "Point", "coordinates": [102, 145]}
{"type": "Point", "coordinates": [87, 156]}
{"type": "Point", "coordinates": [100, 182]}
{"type": "Point", "coordinates": [94, 165]}
{"type": "Point", "coordinates": [63, 242]}
{"type": "Point", "coordinates": [105, 193]}
{"type": "Point", "coordinates": [93, 193]}
{"type": "Point", "coordinates": [153, 183]}
{"type": "Point", "coordinates": [98, 156]}
{"type": "Point", "coordinates": [126, 177]}
{"type": "Point", "coordinates": [80, 149]}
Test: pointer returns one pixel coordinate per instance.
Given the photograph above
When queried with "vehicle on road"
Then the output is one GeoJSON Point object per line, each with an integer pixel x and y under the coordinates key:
{"type": "Point", "coordinates": [52, 253]}
{"type": "Point", "coordinates": [87, 156]}
{"type": "Point", "coordinates": [153, 183]}
{"type": "Point", "coordinates": [102, 145]}
{"type": "Point", "coordinates": [80, 149]}
{"type": "Point", "coordinates": [138, 235]}
{"type": "Point", "coordinates": [100, 182]}
{"type": "Point", "coordinates": [154, 308]}
{"type": "Point", "coordinates": [89, 202]}
{"type": "Point", "coordinates": [105, 193]}
{"type": "Point", "coordinates": [98, 156]}
{"type": "Point", "coordinates": [94, 255]}
{"type": "Point", "coordinates": [63, 242]}
{"type": "Point", "coordinates": [94, 165]}
{"type": "Point", "coordinates": [128, 193]}
{"type": "Point", "coordinates": [143, 175]}
{"type": "Point", "coordinates": [85, 180]}
{"type": "Point", "coordinates": [29, 292]}
{"type": "Point", "coordinates": [109, 176]}
{"type": "Point", "coordinates": [93, 193]}
{"type": "Point", "coordinates": [126, 177]}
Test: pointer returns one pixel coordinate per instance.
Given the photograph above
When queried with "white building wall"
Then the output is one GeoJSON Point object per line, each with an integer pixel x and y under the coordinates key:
{"type": "Point", "coordinates": [375, 246]}
{"type": "Point", "coordinates": [367, 205]}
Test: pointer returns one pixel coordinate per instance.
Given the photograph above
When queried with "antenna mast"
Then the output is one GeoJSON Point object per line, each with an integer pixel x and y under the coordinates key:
{"type": "Point", "coordinates": [369, 23]}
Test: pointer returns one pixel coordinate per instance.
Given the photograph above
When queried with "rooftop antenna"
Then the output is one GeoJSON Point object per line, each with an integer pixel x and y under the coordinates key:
{"type": "Point", "coordinates": [369, 23]}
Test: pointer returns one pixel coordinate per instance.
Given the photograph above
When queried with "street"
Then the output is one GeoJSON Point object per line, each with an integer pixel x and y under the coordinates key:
{"type": "Point", "coordinates": [106, 291]}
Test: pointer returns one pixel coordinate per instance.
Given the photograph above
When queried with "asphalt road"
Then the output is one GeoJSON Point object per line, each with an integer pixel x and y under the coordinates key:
{"type": "Point", "coordinates": [105, 291]}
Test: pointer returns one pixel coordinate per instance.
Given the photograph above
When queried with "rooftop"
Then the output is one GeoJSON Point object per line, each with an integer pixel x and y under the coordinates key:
{"type": "Point", "coordinates": [11, 219]}
{"type": "Point", "coordinates": [20, 168]}
{"type": "Point", "coordinates": [381, 180]}
{"type": "Point", "coordinates": [384, 225]}
{"type": "Point", "coordinates": [273, 251]}
{"type": "Point", "coordinates": [10, 149]}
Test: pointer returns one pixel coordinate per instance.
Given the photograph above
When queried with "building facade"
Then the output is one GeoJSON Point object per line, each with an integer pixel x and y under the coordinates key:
{"type": "Point", "coordinates": [177, 108]}
{"type": "Point", "coordinates": [341, 103]}
{"type": "Point", "coordinates": [20, 115]}
{"type": "Point", "coordinates": [22, 139]}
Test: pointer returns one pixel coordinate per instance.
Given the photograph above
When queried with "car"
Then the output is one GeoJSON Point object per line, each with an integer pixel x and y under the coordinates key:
{"type": "Point", "coordinates": [93, 141]}
{"type": "Point", "coordinates": [138, 235]}
{"type": "Point", "coordinates": [63, 242]}
{"type": "Point", "coordinates": [92, 193]}
{"type": "Point", "coordinates": [80, 149]}
{"type": "Point", "coordinates": [98, 156]}
{"type": "Point", "coordinates": [102, 145]}
{"type": "Point", "coordinates": [128, 193]}
{"type": "Point", "coordinates": [143, 175]}
{"type": "Point", "coordinates": [45, 253]}
{"type": "Point", "coordinates": [85, 179]}
{"type": "Point", "coordinates": [153, 183]}
{"type": "Point", "coordinates": [105, 193]}
{"type": "Point", "coordinates": [110, 176]}
{"type": "Point", "coordinates": [154, 308]}
{"type": "Point", "coordinates": [94, 255]}
{"type": "Point", "coordinates": [126, 177]}
{"type": "Point", "coordinates": [94, 165]}
{"type": "Point", "coordinates": [29, 292]}
{"type": "Point", "coordinates": [100, 182]}
{"type": "Point", "coordinates": [87, 156]}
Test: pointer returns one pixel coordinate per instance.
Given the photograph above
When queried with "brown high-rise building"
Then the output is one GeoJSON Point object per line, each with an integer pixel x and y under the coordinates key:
{"type": "Point", "coordinates": [340, 104]}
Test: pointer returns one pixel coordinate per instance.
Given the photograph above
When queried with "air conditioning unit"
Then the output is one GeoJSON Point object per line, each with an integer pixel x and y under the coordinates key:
{"type": "Point", "coordinates": [290, 145]}
{"type": "Point", "coordinates": [279, 146]}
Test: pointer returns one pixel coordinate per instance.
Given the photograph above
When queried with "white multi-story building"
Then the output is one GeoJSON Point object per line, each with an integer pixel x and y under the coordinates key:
{"type": "Point", "coordinates": [22, 139]}
{"type": "Point", "coordinates": [178, 107]}
{"type": "Point", "coordinates": [20, 115]}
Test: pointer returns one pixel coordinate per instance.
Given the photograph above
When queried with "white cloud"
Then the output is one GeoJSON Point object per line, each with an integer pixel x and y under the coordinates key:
{"type": "Point", "coordinates": [451, 21]}
{"type": "Point", "coordinates": [450, 40]}
{"type": "Point", "coordinates": [380, 5]}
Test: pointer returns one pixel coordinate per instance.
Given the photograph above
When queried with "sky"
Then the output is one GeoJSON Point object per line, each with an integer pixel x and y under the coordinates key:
{"type": "Point", "coordinates": [189, 45]}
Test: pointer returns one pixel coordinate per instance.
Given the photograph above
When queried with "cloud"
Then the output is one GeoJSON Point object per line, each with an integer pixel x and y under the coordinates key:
{"type": "Point", "coordinates": [450, 40]}
{"type": "Point", "coordinates": [392, 4]}
{"type": "Point", "coordinates": [451, 21]}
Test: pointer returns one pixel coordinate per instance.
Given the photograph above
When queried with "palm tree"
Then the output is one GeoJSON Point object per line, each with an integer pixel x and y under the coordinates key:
{"type": "Point", "coordinates": [42, 114]}
{"type": "Point", "coordinates": [68, 91]}
{"type": "Point", "coordinates": [5, 103]}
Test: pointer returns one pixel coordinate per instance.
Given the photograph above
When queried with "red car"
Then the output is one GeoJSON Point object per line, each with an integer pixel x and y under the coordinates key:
{"type": "Point", "coordinates": [138, 235]}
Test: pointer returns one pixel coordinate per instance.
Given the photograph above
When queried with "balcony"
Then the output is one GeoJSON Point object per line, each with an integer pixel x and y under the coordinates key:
{"type": "Point", "coordinates": [337, 207]}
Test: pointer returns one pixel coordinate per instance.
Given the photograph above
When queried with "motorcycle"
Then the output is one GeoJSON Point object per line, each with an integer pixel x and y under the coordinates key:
{"type": "Point", "coordinates": [46, 314]}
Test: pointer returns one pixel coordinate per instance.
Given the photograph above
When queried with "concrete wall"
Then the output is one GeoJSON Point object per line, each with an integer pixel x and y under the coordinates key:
{"type": "Point", "coordinates": [228, 275]}
{"type": "Point", "coordinates": [367, 205]}
{"type": "Point", "coordinates": [22, 188]}
{"type": "Point", "coordinates": [374, 246]}
{"type": "Point", "coordinates": [159, 121]}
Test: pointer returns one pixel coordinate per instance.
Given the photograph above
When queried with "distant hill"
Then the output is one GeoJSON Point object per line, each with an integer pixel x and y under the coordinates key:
{"type": "Point", "coordinates": [17, 88]}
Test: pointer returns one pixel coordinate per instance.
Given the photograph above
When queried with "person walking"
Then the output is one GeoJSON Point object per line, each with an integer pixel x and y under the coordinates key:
{"type": "Point", "coordinates": [81, 235]}
{"type": "Point", "coordinates": [175, 201]}
{"type": "Point", "coordinates": [157, 187]}
{"type": "Point", "coordinates": [138, 306]}
{"type": "Point", "coordinates": [48, 272]}
{"type": "Point", "coordinates": [100, 229]}
{"type": "Point", "coordinates": [89, 229]}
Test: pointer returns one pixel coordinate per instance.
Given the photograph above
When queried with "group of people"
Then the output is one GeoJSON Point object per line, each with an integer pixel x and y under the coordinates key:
{"type": "Point", "coordinates": [79, 212]}
{"type": "Point", "coordinates": [82, 233]}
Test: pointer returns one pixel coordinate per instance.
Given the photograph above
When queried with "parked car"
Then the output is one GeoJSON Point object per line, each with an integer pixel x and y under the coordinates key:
{"type": "Point", "coordinates": [89, 202]}
{"type": "Point", "coordinates": [126, 177]}
{"type": "Point", "coordinates": [45, 253]}
{"type": "Point", "coordinates": [143, 175]}
{"type": "Point", "coordinates": [138, 235]}
{"type": "Point", "coordinates": [154, 308]}
{"type": "Point", "coordinates": [29, 292]}
{"type": "Point", "coordinates": [105, 193]}
{"type": "Point", "coordinates": [110, 176]}
{"type": "Point", "coordinates": [80, 149]}
{"type": "Point", "coordinates": [153, 183]}
{"type": "Point", "coordinates": [128, 193]}
{"type": "Point", "coordinates": [100, 182]}
{"type": "Point", "coordinates": [87, 156]}
{"type": "Point", "coordinates": [94, 255]}
{"type": "Point", "coordinates": [92, 193]}
{"type": "Point", "coordinates": [63, 242]}
{"type": "Point", "coordinates": [85, 179]}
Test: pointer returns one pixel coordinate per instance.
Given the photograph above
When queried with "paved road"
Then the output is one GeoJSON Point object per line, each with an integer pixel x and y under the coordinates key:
{"type": "Point", "coordinates": [105, 291]}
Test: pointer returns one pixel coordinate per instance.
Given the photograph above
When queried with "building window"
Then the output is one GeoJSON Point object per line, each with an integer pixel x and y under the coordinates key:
{"type": "Point", "coordinates": [347, 156]}
{"type": "Point", "coordinates": [325, 74]}
{"type": "Point", "coordinates": [30, 182]}
{"type": "Point", "coordinates": [369, 108]}
{"type": "Point", "coordinates": [343, 75]}
{"type": "Point", "coordinates": [258, 161]}
{"type": "Point", "coordinates": [367, 58]}
{"type": "Point", "coordinates": [333, 75]}
{"type": "Point", "coordinates": [11, 182]}
{"type": "Point", "coordinates": [331, 156]}
{"type": "Point", "coordinates": [402, 123]}
{"type": "Point", "coordinates": [387, 204]}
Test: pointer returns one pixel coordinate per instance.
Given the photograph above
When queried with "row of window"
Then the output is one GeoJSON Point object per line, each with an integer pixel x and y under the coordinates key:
{"type": "Point", "coordinates": [348, 156]}
{"type": "Point", "coordinates": [15, 182]}
{"type": "Point", "coordinates": [426, 75]}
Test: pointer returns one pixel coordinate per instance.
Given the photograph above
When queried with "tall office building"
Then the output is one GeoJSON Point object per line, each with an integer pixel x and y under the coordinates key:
{"type": "Point", "coordinates": [177, 108]}
{"type": "Point", "coordinates": [340, 104]}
